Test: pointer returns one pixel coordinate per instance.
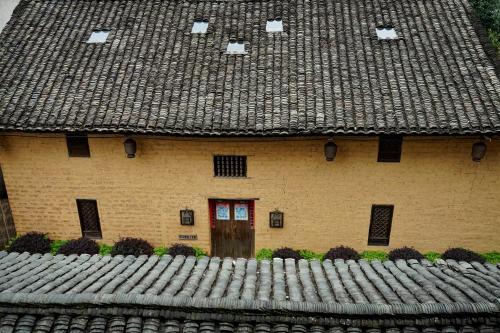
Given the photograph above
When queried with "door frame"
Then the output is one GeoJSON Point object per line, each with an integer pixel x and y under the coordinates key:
{"type": "Point", "coordinates": [251, 219]}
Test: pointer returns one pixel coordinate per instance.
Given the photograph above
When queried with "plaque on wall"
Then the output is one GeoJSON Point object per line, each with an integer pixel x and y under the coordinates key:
{"type": "Point", "coordinates": [188, 237]}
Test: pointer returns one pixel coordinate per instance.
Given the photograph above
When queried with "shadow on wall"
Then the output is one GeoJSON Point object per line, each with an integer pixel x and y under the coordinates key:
{"type": "Point", "coordinates": [6, 9]}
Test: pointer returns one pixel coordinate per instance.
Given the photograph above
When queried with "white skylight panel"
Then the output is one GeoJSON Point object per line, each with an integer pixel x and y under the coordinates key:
{"type": "Point", "coordinates": [98, 36]}
{"type": "Point", "coordinates": [386, 33]}
{"type": "Point", "coordinates": [234, 47]}
{"type": "Point", "coordinates": [274, 25]}
{"type": "Point", "coordinates": [199, 27]}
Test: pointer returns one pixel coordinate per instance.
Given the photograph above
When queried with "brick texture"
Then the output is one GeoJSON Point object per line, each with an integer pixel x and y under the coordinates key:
{"type": "Point", "coordinates": [441, 197]}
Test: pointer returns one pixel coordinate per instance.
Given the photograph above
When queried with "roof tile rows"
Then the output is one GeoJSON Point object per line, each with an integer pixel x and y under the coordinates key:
{"type": "Point", "coordinates": [408, 282]}
{"type": "Point", "coordinates": [45, 293]}
{"type": "Point", "coordinates": [326, 73]}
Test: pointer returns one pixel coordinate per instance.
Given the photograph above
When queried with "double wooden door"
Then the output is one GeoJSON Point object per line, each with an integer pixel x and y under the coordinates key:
{"type": "Point", "coordinates": [232, 228]}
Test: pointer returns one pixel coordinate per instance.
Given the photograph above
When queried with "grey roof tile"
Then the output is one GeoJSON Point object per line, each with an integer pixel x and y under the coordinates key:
{"type": "Point", "coordinates": [326, 73]}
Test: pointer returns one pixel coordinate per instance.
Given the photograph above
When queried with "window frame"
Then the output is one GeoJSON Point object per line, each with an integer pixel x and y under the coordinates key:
{"type": "Point", "coordinates": [221, 175]}
{"type": "Point", "coordinates": [379, 241]}
{"type": "Point", "coordinates": [77, 144]}
{"type": "Point", "coordinates": [390, 155]}
{"type": "Point", "coordinates": [80, 216]}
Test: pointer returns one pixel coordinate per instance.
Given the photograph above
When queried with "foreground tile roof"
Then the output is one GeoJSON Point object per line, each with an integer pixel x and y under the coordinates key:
{"type": "Point", "coordinates": [93, 294]}
{"type": "Point", "coordinates": [326, 73]}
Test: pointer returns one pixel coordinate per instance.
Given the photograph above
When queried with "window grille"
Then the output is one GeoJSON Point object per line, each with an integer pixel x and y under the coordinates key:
{"type": "Point", "coordinates": [89, 218]}
{"type": "Point", "coordinates": [380, 225]}
{"type": "Point", "coordinates": [230, 166]}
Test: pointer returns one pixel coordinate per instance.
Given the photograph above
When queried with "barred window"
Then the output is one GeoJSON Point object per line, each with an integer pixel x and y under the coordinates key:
{"type": "Point", "coordinates": [380, 225]}
{"type": "Point", "coordinates": [89, 218]}
{"type": "Point", "coordinates": [78, 145]}
{"type": "Point", "coordinates": [230, 166]}
{"type": "Point", "coordinates": [389, 148]}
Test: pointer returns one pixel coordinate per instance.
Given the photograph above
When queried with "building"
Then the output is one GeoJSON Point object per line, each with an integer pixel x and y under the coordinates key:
{"type": "Point", "coordinates": [236, 125]}
{"type": "Point", "coordinates": [45, 293]}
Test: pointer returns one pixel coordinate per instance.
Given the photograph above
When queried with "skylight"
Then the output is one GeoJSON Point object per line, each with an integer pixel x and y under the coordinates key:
{"type": "Point", "coordinates": [98, 36]}
{"type": "Point", "coordinates": [199, 27]}
{"type": "Point", "coordinates": [274, 25]}
{"type": "Point", "coordinates": [386, 32]}
{"type": "Point", "coordinates": [236, 47]}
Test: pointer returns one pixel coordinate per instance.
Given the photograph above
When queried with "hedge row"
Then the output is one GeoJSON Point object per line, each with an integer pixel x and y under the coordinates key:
{"type": "Point", "coordinates": [346, 253]}
{"type": "Point", "coordinates": [35, 242]}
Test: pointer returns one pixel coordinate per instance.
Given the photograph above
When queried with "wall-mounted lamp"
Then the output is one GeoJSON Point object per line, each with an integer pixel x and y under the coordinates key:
{"type": "Point", "coordinates": [330, 150]}
{"type": "Point", "coordinates": [130, 147]}
{"type": "Point", "coordinates": [187, 217]}
{"type": "Point", "coordinates": [276, 219]}
{"type": "Point", "coordinates": [478, 151]}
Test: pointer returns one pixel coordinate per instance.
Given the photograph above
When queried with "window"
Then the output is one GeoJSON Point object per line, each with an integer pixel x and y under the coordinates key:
{"type": "Point", "coordinates": [199, 26]}
{"type": "Point", "coordinates": [275, 25]}
{"type": "Point", "coordinates": [78, 145]}
{"type": "Point", "coordinates": [98, 36]}
{"type": "Point", "coordinates": [234, 47]}
{"type": "Point", "coordinates": [230, 166]}
{"type": "Point", "coordinates": [89, 218]}
{"type": "Point", "coordinates": [380, 225]}
{"type": "Point", "coordinates": [389, 148]}
{"type": "Point", "coordinates": [386, 32]}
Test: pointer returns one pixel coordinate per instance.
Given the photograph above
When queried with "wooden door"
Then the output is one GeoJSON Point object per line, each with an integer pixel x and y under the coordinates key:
{"type": "Point", "coordinates": [232, 226]}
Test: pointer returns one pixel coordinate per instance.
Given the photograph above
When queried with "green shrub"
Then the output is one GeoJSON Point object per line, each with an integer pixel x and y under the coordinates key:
{"type": "Point", "coordinates": [56, 245]}
{"type": "Point", "coordinates": [105, 249]}
{"type": "Point", "coordinates": [286, 253]}
{"type": "Point", "coordinates": [492, 257]}
{"type": "Point", "coordinates": [310, 255]}
{"type": "Point", "coordinates": [160, 251]}
{"type": "Point", "coordinates": [79, 246]}
{"type": "Point", "coordinates": [374, 255]}
{"type": "Point", "coordinates": [32, 242]}
{"type": "Point", "coordinates": [132, 246]}
{"type": "Point", "coordinates": [342, 252]}
{"type": "Point", "coordinates": [432, 256]}
{"type": "Point", "coordinates": [199, 252]}
{"type": "Point", "coordinates": [264, 254]}
{"type": "Point", "coordinates": [405, 253]}
{"type": "Point", "coordinates": [461, 254]}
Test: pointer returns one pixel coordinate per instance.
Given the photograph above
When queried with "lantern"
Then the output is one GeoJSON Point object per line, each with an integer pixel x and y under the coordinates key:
{"type": "Point", "coordinates": [130, 147]}
{"type": "Point", "coordinates": [187, 217]}
{"type": "Point", "coordinates": [330, 150]}
{"type": "Point", "coordinates": [276, 219]}
{"type": "Point", "coordinates": [478, 151]}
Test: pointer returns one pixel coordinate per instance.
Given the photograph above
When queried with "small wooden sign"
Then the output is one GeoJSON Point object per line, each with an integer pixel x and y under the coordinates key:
{"type": "Point", "coordinates": [188, 237]}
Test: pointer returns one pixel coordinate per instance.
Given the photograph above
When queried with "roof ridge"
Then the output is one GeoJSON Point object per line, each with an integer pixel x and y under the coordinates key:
{"type": "Point", "coordinates": [217, 308]}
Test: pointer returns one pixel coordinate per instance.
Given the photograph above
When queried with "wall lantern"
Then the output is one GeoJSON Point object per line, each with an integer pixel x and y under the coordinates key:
{"type": "Point", "coordinates": [276, 219]}
{"type": "Point", "coordinates": [130, 147]}
{"type": "Point", "coordinates": [478, 151]}
{"type": "Point", "coordinates": [187, 217]}
{"type": "Point", "coordinates": [330, 150]}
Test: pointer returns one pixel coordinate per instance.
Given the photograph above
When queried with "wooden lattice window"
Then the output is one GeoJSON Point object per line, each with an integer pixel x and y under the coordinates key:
{"type": "Point", "coordinates": [389, 148]}
{"type": "Point", "coordinates": [380, 225]}
{"type": "Point", "coordinates": [89, 218]}
{"type": "Point", "coordinates": [230, 166]}
{"type": "Point", "coordinates": [78, 145]}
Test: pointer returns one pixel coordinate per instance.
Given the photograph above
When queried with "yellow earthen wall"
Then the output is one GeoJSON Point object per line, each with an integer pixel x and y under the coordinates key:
{"type": "Point", "coordinates": [441, 197]}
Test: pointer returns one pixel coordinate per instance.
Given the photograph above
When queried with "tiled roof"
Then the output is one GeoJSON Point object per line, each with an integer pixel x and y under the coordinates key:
{"type": "Point", "coordinates": [128, 294]}
{"type": "Point", "coordinates": [326, 73]}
